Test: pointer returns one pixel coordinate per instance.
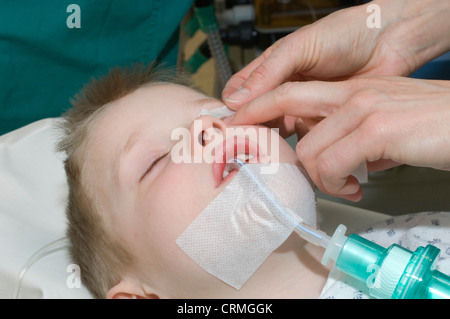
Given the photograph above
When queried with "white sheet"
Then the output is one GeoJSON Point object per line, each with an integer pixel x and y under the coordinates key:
{"type": "Point", "coordinates": [32, 200]}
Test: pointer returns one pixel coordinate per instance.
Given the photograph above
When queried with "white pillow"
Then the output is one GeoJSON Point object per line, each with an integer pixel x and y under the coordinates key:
{"type": "Point", "coordinates": [33, 192]}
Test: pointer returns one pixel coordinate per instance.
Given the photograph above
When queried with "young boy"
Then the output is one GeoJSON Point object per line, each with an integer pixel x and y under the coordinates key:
{"type": "Point", "coordinates": [129, 200]}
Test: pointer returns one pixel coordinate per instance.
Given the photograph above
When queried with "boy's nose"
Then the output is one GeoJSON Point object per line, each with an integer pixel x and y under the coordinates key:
{"type": "Point", "coordinates": [206, 129]}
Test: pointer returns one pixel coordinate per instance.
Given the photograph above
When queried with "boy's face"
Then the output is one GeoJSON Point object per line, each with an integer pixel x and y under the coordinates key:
{"type": "Point", "coordinates": [150, 209]}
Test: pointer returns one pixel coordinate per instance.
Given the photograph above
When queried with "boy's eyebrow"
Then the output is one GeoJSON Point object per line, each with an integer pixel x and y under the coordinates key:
{"type": "Point", "coordinates": [132, 139]}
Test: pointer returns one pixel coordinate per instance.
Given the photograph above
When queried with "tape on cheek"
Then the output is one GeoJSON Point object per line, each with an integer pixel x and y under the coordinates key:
{"type": "Point", "coordinates": [242, 226]}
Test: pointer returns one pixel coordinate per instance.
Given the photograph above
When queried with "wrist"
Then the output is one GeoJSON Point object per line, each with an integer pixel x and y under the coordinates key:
{"type": "Point", "coordinates": [415, 29]}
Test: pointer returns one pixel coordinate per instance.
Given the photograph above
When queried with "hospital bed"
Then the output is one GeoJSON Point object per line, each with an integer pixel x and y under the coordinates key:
{"type": "Point", "coordinates": [33, 192]}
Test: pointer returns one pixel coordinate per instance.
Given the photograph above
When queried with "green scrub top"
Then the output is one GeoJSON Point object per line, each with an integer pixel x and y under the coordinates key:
{"type": "Point", "coordinates": [49, 49]}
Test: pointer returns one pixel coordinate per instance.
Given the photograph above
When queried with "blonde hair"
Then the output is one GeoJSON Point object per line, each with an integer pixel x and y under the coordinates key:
{"type": "Point", "coordinates": [100, 254]}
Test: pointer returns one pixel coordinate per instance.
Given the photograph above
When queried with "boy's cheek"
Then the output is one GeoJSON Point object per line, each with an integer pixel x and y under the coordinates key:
{"type": "Point", "coordinates": [177, 199]}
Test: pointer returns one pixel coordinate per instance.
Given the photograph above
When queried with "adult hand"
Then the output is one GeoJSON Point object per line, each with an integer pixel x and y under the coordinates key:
{"type": "Point", "coordinates": [383, 121]}
{"type": "Point", "coordinates": [342, 46]}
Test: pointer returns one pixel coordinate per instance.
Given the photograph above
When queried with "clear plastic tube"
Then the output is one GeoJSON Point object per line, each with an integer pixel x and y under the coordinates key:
{"type": "Point", "coordinates": [48, 249]}
{"type": "Point", "coordinates": [314, 236]}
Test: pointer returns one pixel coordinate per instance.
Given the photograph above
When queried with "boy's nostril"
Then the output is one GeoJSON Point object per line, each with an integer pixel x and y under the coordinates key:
{"type": "Point", "coordinates": [201, 138]}
{"type": "Point", "coordinates": [217, 128]}
{"type": "Point", "coordinates": [209, 134]}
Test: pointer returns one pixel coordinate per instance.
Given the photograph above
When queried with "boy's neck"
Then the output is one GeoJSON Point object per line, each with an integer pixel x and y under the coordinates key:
{"type": "Point", "coordinates": [291, 271]}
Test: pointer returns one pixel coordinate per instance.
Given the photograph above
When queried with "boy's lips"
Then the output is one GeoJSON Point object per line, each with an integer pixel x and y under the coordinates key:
{"type": "Point", "coordinates": [240, 147]}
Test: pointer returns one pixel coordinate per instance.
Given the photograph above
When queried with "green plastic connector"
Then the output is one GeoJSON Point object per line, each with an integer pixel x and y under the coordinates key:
{"type": "Point", "coordinates": [394, 272]}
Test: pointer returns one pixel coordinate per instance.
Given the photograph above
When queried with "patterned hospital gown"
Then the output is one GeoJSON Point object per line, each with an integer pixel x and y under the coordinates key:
{"type": "Point", "coordinates": [409, 231]}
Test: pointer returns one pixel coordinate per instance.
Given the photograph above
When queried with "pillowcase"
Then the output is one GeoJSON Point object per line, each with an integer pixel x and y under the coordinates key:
{"type": "Point", "coordinates": [33, 192]}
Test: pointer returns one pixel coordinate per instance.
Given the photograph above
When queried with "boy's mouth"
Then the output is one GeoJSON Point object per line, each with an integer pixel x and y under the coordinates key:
{"type": "Point", "coordinates": [236, 147]}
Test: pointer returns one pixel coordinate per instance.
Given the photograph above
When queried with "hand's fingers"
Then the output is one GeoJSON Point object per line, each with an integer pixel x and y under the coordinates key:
{"type": "Point", "coordinates": [332, 158]}
{"type": "Point", "coordinates": [285, 124]}
{"type": "Point", "coordinates": [303, 126]}
{"type": "Point", "coordinates": [235, 82]}
{"type": "Point", "coordinates": [288, 126]}
{"type": "Point", "coordinates": [322, 165]}
{"type": "Point", "coordinates": [336, 164]}
{"type": "Point", "coordinates": [278, 66]}
{"type": "Point", "coordinates": [381, 165]}
{"type": "Point", "coordinates": [301, 99]}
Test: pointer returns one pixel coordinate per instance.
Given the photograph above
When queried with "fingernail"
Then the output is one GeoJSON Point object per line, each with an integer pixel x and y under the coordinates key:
{"type": "Point", "coordinates": [239, 96]}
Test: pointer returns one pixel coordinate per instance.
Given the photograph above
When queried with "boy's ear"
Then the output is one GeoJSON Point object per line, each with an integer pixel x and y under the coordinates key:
{"type": "Point", "coordinates": [127, 289]}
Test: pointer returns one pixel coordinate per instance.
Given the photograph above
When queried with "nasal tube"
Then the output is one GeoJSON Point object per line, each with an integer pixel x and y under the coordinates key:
{"type": "Point", "coordinates": [394, 272]}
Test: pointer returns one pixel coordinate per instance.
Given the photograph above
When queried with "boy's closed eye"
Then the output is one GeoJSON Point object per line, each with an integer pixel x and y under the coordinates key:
{"type": "Point", "coordinates": [152, 165]}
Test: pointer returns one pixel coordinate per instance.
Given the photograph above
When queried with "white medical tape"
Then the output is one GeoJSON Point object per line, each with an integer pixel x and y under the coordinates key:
{"type": "Point", "coordinates": [219, 112]}
{"type": "Point", "coordinates": [241, 227]}
{"type": "Point", "coordinates": [361, 173]}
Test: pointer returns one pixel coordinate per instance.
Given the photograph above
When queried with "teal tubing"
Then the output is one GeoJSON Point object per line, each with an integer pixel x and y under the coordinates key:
{"type": "Point", "coordinates": [394, 272]}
